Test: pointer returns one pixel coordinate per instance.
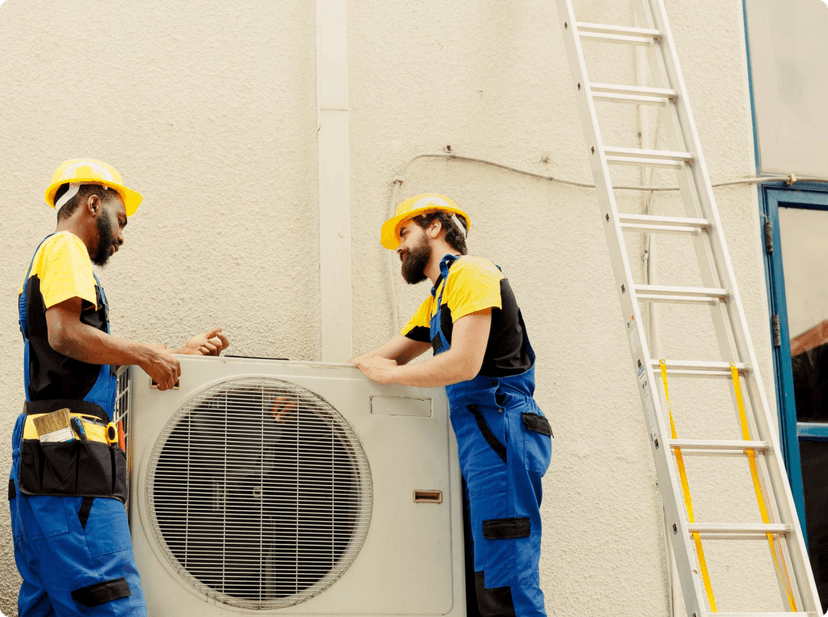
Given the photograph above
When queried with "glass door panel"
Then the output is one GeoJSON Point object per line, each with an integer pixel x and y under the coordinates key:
{"type": "Point", "coordinates": [804, 238]}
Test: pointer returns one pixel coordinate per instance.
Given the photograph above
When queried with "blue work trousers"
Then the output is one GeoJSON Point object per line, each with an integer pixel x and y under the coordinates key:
{"type": "Point", "coordinates": [74, 553]}
{"type": "Point", "coordinates": [504, 446]}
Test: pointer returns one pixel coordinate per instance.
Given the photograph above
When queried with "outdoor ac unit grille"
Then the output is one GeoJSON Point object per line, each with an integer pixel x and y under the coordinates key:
{"type": "Point", "coordinates": [260, 492]}
{"type": "Point", "coordinates": [121, 417]}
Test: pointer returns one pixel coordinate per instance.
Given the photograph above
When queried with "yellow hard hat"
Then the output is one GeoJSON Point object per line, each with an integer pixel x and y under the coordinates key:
{"type": "Point", "coordinates": [90, 171]}
{"type": "Point", "coordinates": [415, 206]}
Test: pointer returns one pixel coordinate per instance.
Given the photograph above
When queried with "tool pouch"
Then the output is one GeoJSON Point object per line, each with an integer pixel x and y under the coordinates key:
{"type": "Point", "coordinates": [89, 468]}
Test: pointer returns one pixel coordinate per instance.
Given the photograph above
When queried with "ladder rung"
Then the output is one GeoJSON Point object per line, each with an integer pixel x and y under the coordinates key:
{"type": "Point", "coordinates": [632, 94]}
{"type": "Point", "coordinates": [686, 368]}
{"type": "Point", "coordinates": [663, 224]}
{"type": "Point", "coordinates": [618, 34]}
{"type": "Point", "coordinates": [737, 531]}
{"type": "Point", "coordinates": [753, 614]}
{"type": "Point", "coordinates": [656, 293]}
{"type": "Point", "coordinates": [713, 447]}
{"type": "Point", "coordinates": [649, 158]}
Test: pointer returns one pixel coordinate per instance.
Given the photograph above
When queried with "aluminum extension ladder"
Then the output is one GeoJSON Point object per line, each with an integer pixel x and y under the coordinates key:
{"type": "Point", "coordinates": [780, 528]}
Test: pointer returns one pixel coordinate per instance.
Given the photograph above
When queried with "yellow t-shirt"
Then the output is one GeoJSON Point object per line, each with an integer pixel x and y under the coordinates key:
{"type": "Point", "coordinates": [474, 284]}
{"type": "Point", "coordinates": [61, 269]}
{"type": "Point", "coordinates": [64, 270]}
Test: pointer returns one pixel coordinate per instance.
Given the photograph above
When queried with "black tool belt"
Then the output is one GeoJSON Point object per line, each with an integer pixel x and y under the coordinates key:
{"type": "Point", "coordinates": [84, 468]}
{"type": "Point", "coordinates": [83, 407]}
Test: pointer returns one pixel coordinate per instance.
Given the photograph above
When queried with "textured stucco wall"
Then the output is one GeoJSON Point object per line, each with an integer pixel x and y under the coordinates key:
{"type": "Point", "coordinates": [209, 109]}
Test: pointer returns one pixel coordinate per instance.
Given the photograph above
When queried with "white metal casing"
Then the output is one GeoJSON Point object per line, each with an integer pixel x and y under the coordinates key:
{"type": "Point", "coordinates": [411, 562]}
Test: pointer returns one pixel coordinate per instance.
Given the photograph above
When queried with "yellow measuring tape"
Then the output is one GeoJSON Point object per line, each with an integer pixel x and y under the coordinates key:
{"type": "Point", "coordinates": [685, 487]}
{"type": "Point", "coordinates": [751, 454]}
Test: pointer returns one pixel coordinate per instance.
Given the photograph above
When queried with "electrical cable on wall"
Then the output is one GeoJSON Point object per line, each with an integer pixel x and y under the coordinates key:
{"type": "Point", "coordinates": [399, 179]}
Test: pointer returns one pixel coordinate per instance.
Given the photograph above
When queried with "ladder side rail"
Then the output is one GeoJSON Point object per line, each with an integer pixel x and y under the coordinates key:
{"type": "Point", "coordinates": [665, 471]}
{"type": "Point", "coordinates": [705, 258]}
{"type": "Point", "coordinates": [753, 380]}
{"type": "Point", "coordinates": [791, 552]}
{"type": "Point", "coordinates": [671, 124]}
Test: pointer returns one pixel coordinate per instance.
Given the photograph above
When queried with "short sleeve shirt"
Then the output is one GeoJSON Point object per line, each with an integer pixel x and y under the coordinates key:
{"type": "Point", "coordinates": [61, 270]}
{"type": "Point", "coordinates": [474, 284]}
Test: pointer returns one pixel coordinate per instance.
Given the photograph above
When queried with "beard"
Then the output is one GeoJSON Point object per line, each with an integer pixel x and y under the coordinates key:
{"type": "Point", "coordinates": [106, 241]}
{"type": "Point", "coordinates": [415, 262]}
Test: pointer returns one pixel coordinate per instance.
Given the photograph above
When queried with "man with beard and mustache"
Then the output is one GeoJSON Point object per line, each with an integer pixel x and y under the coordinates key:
{"type": "Point", "coordinates": [71, 540]}
{"type": "Point", "coordinates": [483, 357]}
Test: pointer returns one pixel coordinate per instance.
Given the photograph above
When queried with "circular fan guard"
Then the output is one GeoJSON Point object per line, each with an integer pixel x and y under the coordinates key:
{"type": "Point", "coordinates": [260, 493]}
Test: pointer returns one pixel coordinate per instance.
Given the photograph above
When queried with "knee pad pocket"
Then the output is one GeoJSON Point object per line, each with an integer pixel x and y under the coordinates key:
{"type": "Point", "coordinates": [507, 528]}
{"type": "Point", "coordinates": [101, 593]}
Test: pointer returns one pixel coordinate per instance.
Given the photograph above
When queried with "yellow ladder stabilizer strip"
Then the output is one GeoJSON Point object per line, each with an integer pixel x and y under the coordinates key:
{"type": "Point", "coordinates": [685, 487]}
{"type": "Point", "coordinates": [757, 487]}
{"type": "Point", "coordinates": [94, 431]}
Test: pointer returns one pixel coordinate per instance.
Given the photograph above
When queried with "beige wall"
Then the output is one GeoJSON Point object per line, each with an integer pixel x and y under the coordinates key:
{"type": "Point", "coordinates": [209, 109]}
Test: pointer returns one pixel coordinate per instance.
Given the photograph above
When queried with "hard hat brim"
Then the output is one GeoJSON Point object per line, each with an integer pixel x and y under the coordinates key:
{"type": "Point", "coordinates": [390, 235]}
{"type": "Point", "coordinates": [132, 199]}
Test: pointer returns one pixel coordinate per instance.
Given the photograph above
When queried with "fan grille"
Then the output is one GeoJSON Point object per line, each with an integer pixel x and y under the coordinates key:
{"type": "Point", "coordinates": [260, 492]}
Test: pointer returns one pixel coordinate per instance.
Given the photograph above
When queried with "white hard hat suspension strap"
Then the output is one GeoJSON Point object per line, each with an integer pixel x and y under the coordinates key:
{"type": "Point", "coordinates": [460, 227]}
{"type": "Point", "coordinates": [74, 187]}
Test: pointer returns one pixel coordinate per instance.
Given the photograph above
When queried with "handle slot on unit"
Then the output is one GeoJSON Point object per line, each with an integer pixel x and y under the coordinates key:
{"type": "Point", "coordinates": [428, 496]}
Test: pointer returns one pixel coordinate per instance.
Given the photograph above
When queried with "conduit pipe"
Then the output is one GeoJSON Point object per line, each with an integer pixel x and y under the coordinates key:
{"type": "Point", "coordinates": [334, 180]}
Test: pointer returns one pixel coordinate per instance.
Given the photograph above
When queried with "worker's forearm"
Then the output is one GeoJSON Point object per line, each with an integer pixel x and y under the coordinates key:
{"type": "Point", "coordinates": [444, 369]}
{"type": "Point", "coordinates": [87, 344]}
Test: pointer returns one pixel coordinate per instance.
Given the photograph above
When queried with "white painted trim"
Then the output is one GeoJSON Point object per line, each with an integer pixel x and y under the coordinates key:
{"type": "Point", "coordinates": [334, 179]}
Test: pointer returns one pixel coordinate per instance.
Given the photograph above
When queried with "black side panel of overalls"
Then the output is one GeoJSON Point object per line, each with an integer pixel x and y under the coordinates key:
{"type": "Point", "coordinates": [487, 433]}
{"type": "Point", "coordinates": [495, 602]}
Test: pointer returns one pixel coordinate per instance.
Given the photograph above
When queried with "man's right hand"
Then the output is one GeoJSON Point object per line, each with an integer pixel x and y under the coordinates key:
{"type": "Point", "coordinates": [161, 366]}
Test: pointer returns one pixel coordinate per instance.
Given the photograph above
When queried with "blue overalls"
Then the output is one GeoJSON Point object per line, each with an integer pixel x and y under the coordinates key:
{"type": "Point", "coordinates": [73, 551]}
{"type": "Point", "coordinates": [504, 446]}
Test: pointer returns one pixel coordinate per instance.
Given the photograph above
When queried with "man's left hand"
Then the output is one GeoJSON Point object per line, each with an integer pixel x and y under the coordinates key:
{"type": "Point", "coordinates": [211, 343]}
{"type": "Point", "coordinates": [376, 368]}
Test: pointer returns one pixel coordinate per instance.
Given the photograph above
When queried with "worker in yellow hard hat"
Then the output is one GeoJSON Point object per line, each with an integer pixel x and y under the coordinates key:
{"type": "Point", "coordinates": [68, 481]}
{"type": "Point", "coordinates": [482, 355]}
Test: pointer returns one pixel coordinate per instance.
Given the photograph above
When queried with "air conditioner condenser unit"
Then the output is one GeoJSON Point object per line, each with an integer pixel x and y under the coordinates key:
{"type": "Point", "coordinates": [292, 488]}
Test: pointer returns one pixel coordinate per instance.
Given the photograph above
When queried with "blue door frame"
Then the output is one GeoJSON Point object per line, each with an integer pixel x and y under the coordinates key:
{"type": "Point", "coordinates": [807, 196]}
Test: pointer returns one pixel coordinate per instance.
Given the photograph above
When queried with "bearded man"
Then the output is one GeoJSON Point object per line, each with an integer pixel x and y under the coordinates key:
{"type": "Point", "coordinates": [68, 479]}
{"type": "Point", "coordinates": [483, 357]}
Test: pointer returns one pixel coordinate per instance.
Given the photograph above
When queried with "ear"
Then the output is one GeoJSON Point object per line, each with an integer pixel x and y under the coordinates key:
{"type": "Point", "coordinates": [93, 205]}
{"type": "Point", "coordinates": [435, 228]}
